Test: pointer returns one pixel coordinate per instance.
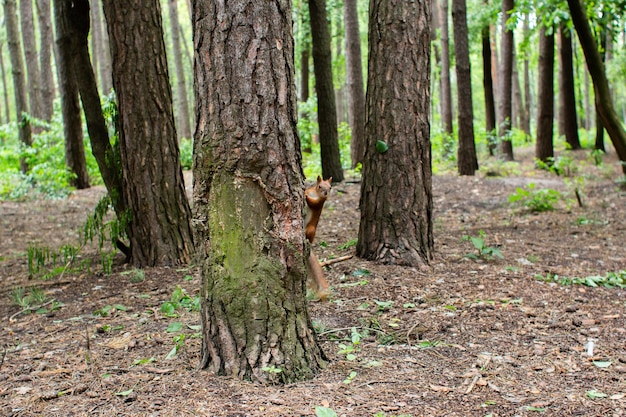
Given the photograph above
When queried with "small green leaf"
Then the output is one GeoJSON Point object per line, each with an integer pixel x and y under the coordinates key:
{"type": "Point", "coordinates": [324, 412]}
{"type": "Point", "coordinates": [360, 272]}
{"type": "Point", "coordinates": [593, 394]}
{"type": "Point", "coordinates": [602, 364]}
{"type": "Point", "coordinates": [124, 393]}
{"type": "Point", "coordinates": [174, 327]}
{"type": "Point", "coordinates": [381, 146]}
{"type": "Point", "coordinates": [172, 353]}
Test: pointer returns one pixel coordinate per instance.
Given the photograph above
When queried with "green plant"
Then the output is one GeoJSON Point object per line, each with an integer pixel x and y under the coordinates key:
{"type": "Point", "coordinates": [46, 263]}
{"type": "Point", "coordinates": [179, 342]}
{"type": "Point", "coordinates": [348, 244]}
{"type": "Point", "coordinates": [482, 250]}
{"type": "Point", "coordinates": [180, 300]}
{"type": "Point", "coordinates": [324, 412]}
{"type": "Point", "coordinates": [136, 275]}
{"type": "Point", "coordinates": [536, 200]}
{"type": "Point", "coordinates": [186, 153]}
{"type": "Point", "coordinates": [35, 301]}
{"type": "Point", "coordinates": [350, 349]}
{"type": "Point", "coordinates": [609, 280]}
{"type": "Point", "coordinates": [562, 165]}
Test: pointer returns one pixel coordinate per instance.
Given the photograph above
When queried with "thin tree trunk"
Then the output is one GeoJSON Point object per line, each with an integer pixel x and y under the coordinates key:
{"type": "Point", "coordinates": [610, 120]}
{"type": "Point", "coordinates": [71, 111]}
{"type": "Point", "coordinates": [354, 81]}
{"type": "Point", "coordinates": [326, 110]}
{"type": "Point", "coordinates": [19, 82]}
{"type": "Point", "coordinates": [490, 105]}
{"type": "Point", "coordinates": [467, 162]}
{"type": "Point", "coordinates": [182, 106]}
{"type": "Point", "coordinates": [45, 59]}
{"type": "Point", "coordinates": [567, 97]}
{"type": "Point", "coordinates": [446, 89]}
{"type": "Point", "coordinates": [30, 56]}
{"type": "Point", "coordinates": [506, 84]}
{"type": "Point", "coordinates": [101, 50]}
{"type": "Point", "coordinates": [5, 90]}
{"type": "Point", "coordinates": [527, 98]}
{"type": "Point", "coordinates": [544, 149]}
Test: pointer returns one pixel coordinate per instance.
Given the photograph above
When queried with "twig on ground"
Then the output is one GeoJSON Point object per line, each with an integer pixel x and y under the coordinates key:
{"type": "Point", "coordinates": [35, 308]}
{"type": "Point", "coordinates": [336, 260]}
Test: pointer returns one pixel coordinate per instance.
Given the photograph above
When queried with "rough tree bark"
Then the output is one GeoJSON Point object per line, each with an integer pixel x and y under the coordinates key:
{"type": "Point", "coordinates": [396, 188]}
{"type": "Point", "coordinates": [159, 225]}
{"type": "Point", "coordinates": [324, 88]}
{"type": "Point", "coordinates": [446, 89]}
{"type": "Point", "coordinates": [45, 59]}
{"type": "Point", "coordinates": [30, 56]}
{"type": "Point", "coordinates": [490, 105]}
{"type": "Point", "coordinates": [248, 194]}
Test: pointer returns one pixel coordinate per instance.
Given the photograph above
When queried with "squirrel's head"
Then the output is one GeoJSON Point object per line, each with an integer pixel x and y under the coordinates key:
{"type": "Point", "coordinates": [323, 186]}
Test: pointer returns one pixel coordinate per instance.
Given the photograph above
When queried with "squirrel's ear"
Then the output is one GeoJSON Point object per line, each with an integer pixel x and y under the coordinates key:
{"type": "Point", "coordinates": [319, 179]}
{"type": "Point", "coordinates": [330, 180]}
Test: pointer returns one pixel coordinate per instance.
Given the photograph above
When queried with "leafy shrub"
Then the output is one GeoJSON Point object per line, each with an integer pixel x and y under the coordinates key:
{"type": "Point", "coordinates": [540, 200]}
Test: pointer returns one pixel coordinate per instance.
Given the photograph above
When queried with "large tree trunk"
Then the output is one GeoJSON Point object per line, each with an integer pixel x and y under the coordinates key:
{"type": "Point", "coordinates": [248, 195]}
{"type": "Point", "coordinates": [490, 105]}
{"type": "Point", "coordinates": [506, 84]}
{"type": "Point", "coordinates": [326, 109]}
{"type": "Point", "coordinates": [354, 80]}
{"type": "Point", "coordinates": [30, 56]}
{"type": "Point", "coordinates": [19, 82]}
{"type": "Point", "coordinates": [544, 149]}
{"type": "Point", "coordinates": [467, 162]}
{"type": "Point", "coordinates": [182, 105]}
{"type": "Point", "coordinates": [396, 189]}
{"type": "Point", "coordinates": [159, 224]}
{"type": "Point", "coordinates": [568, 124]}
{"type": "Point", "coordinates": [610, 120]}
{"type": "Point", "coordinates": [446, 89]}
{"type": "Point", "coordinates": [45, 59]}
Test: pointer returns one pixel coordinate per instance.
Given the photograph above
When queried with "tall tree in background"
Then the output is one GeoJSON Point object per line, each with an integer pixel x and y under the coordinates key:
{"type": "Point", "coordinates": [354, 81]}
{"type": "Point", "coordinates": [45, 58]}
{"type": "Point", "coordinates": [396, 189]}
{"type": "Point", "coordinates": [182, 105]}
{"type": "Point", "coordinates": [544, 149]}
{"type": "Point", "coordinates": [72, 29]}
{"type": "Point", "coordinates": [324, 88]}
{"type": "Point", "coordinates": [248, 194]}
{"type": "Point", "coordinates": [568, 121]}
{"type": "Point", "coordinates": [610, 120]}
{"type": "Point", "coordinates": [525, 124]}
{"type": "Point", "coordinates": [31, 58]}
{"type": "Point", "coordinates": [100, 47]}
{"type": "Point", "coordinates": [159, 224]}
{"type": "Point", "coordinates": [446, 89]}
{"type": "Point", "coordinates": [505, 83]}
{"type": "Point", "coordinates": [467, 162]}
{"type": "Point", "coordinates": [490, 105]}
{"type": "Point", "coordinates": [70, 104]}
{"type": "Point", "coordinates": [599, 142]}
{"type": "Point", "coordinates": [5, 90]}
{"type": "Point", "coordinates": [19, 82]}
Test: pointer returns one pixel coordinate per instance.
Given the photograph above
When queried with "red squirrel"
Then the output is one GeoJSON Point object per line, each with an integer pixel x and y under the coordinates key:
{"type": "Point", "coordinates": [315, 198]}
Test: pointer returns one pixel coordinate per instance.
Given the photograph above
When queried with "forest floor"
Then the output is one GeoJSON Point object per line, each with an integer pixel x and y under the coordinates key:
{"type": "Point", "coordinates": [467, 337]}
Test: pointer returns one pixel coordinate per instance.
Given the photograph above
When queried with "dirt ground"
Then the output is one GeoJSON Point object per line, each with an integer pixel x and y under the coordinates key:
{"type": "Point", "coordinates": [467, 337]}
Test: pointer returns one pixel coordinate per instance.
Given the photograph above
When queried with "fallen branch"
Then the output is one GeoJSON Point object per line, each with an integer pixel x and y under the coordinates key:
{"type": "Point", "coordinates": [35, 308]}
{"type": "Point", "coordinates": [336, 260]}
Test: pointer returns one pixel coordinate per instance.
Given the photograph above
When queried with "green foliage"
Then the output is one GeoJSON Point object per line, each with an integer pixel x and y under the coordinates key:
{"type": "Point", "coordinates": [350, 349]}
{"type": "Point", "coordinates": [46, 263]}
{"type": "Point", "coordinates": [324, 412]}
{"type": "Point", "coordinates": [482, 250]}
{"type": "Point", "coordinates": [536, 200]}
{"type": "Point", "coordinates": [348, 244]}
{"type": "Point", "coordinates": [610, 280]}
{"type": "Point", "coordinates": [563, 165]}
{"type": "Point", "coordinates": [180, 300]}
{"type": "Point", "coordinates": [33, 301]}
{"type": "Point", "coordinates": [186, 153]}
